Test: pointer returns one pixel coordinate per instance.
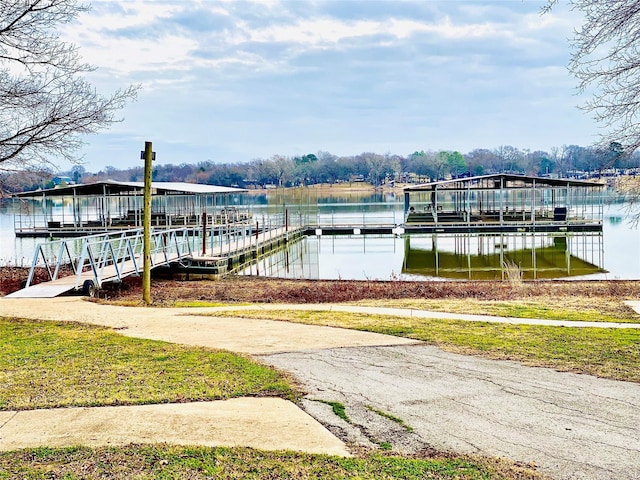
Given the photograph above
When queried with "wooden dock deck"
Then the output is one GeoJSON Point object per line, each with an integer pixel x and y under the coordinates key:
{"type": "Point", "coordinates": [223, 259]}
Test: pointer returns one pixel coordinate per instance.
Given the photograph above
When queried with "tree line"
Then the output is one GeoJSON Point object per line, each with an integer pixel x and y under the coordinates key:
{"type": "Point", "coordinates": [323, 167]}
{"type": "Point", "coordinates": [47, 107]}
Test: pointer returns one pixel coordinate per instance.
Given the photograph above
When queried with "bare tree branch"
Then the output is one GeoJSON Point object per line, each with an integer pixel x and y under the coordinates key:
{"type": "Point", "coordinates": [605, 60]}
{"type": "Point", "coordinates": [547, 7]}
{"type": "Point", "coordinates": [45, 104]}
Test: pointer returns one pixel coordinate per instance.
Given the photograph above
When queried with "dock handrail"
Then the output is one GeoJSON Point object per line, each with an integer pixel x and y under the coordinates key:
{"type": "Point", "coordinates": [120, 252]}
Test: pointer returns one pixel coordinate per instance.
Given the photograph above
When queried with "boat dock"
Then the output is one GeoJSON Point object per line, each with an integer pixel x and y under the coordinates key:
{"type": "Point", "coordinates": [504, 203]}
{"type": "Point", "coordinates": [197, 230]}
{"type": "Point", "coordinates": [111, 206]}
{"type": "Point", "coordinates": [111, 257]}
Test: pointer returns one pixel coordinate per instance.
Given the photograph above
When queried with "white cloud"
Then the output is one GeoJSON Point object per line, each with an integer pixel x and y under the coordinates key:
{"type": "Point", "coordinates": [252, 79]}
{"type": "Point", "coordinates": [98, 34]}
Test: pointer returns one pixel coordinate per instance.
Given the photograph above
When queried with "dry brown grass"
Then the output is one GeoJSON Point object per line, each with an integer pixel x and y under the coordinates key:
{"type": "Point", "coordinates": [265, 290]}
{"type": "Point", "coordinates": [600, 309]}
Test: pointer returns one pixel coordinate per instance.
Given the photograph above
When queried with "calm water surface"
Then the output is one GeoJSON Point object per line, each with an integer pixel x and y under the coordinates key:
{"type": "Point", "coordinates": [614, 255]}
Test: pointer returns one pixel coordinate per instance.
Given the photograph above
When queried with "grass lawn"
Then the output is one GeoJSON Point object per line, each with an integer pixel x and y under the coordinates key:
{"type": "Point", "coordinates": [608, 353]}
{"type": "Point", "coordinates": [577, 309]}
{"type": "Point", "coordinates": [172, 462]}
{"type": "Point", "coordinates": [49, 364]}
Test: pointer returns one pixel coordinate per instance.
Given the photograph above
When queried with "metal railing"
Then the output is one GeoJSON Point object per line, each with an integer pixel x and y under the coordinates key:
{"type": "Point", "coordinates": [115, 255]}
{"type": "Point", "coordinates": [337, 218]}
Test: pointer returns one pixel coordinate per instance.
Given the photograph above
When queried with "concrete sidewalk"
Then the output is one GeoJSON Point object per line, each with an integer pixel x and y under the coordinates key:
{"type": "Point", "coordinates": [263, 423]}
{"type": "Point", "coordinates": [188, 326]}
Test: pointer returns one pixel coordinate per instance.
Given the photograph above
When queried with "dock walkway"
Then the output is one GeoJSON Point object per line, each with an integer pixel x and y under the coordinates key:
{"type": "Point", "coordinates": [110, 258]}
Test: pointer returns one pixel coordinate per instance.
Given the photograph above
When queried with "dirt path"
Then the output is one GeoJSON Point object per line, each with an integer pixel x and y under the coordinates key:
{"type": "Point", "coordinates": [571, 426]}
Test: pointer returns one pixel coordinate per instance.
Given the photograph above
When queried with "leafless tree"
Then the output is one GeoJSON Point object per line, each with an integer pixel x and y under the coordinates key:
{"type": "Point", "coordinates": [605, 61]}
{"type": "Point", "coordinates": [46, 105]}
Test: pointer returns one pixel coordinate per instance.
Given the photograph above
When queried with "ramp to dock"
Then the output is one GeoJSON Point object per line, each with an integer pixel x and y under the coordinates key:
{"type": "Point", "coordinates": [112, 257]}
{"type": "Point", "coordinates": [101, 258]}
{"type": "Point", "coordinates": [46, 289]}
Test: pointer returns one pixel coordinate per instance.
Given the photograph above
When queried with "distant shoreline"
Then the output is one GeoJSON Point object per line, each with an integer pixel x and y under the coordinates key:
{"type": "Point", "coordinates": [328, 188]}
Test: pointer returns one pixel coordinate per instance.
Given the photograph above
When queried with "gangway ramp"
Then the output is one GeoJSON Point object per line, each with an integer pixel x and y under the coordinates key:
{"type": "Point", "coordinates": [84, 264]}
{"type": "Point", "coordinates": [49, 289]}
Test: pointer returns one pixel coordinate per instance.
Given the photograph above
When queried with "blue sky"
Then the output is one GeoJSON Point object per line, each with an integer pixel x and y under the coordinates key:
{"type": "Point", "coordinates": [230, 81]}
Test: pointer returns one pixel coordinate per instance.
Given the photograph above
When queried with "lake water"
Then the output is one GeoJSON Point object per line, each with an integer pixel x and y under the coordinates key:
{"type": "Point", "coordinates": [613, 255]}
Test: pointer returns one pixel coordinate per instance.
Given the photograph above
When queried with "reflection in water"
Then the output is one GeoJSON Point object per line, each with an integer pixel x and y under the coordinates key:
{"type": "Point", "coordinates": [487, 257]}
{"type": "Point", "coordinates": [481, 257]}
{"type": "Point", "coordinates": [293, 260]}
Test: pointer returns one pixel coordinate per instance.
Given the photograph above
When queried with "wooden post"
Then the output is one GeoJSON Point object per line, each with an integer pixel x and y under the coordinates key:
{"type": "Point", "coordinates": [146, 224]}
{"type": "Point", "coordinates": [204, 233]}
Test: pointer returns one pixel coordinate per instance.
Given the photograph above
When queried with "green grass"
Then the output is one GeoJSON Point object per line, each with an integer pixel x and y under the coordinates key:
{"type": "Point", "coordinates": [337, 408]}
{"type": "Point", "coordinates": [391, 417]}
{"type": "Point", "coordinates": [549, 308]}
{"type": "Point", "coordinates": [609, 353]}
{"type": "Point", "coordinates": [385, 446]}
{"type": "Point", "coordinates": [172, 462]}
{"type": "Point", "coordinates": [49, 364]}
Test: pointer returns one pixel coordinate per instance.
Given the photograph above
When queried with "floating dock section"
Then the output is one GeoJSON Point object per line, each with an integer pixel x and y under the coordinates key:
{"type": "Point", "coordinates": [226, 258]}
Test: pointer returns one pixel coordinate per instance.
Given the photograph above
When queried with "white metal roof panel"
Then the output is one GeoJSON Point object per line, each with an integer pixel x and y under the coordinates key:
{"type": "Point", "coordinates": [115, 187]}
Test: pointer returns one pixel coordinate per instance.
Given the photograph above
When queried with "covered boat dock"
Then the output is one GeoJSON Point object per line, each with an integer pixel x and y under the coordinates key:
{"type": "Point", "coordinates": [504, 203]}
{"type": "Point", "coordinates": [107, 206]}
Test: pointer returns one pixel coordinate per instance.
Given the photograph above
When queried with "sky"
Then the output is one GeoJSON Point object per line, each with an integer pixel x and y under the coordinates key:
{"type": "Point", "coordinates": [232, 81]}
